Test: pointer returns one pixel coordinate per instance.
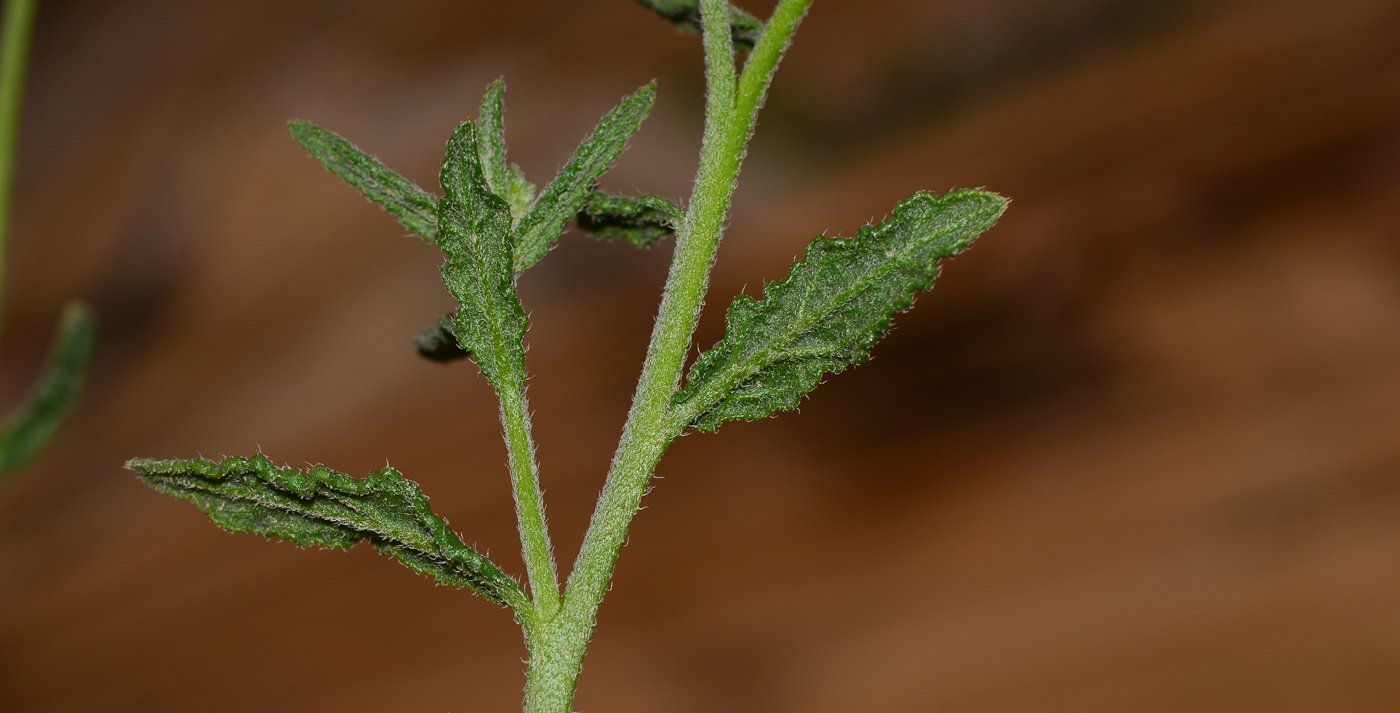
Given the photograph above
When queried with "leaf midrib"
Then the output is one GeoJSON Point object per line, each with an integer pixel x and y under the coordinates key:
{"type": "Point", "coordinates": [487, 584]}
{"type": "Point", "coordinates": [388, 534]}
{"type": "Point", "coordinates": [732, 378]}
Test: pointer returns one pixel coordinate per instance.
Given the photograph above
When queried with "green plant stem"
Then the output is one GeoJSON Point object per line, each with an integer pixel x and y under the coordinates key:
{"type": "Point", "coordinates": [14, 58]}
{"type": "Point", "coordinates": [529, 501]}
{"type": "Point", "coordinates": [731, 107]}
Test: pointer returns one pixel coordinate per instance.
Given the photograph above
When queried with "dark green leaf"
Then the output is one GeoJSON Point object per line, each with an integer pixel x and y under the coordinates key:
{"type": "Point", "coordinates": [35, 423]}
{"type": "Point", "coordinates": [491, 137]}
{"type": "Point", "coordinates": [438, 343]}
{"type": "Point", "coordinates": [641, 221]}
{"type": "Point", "coordinates": [832, 308]}
{"type": "Point", "coordinates": [506, 180]}
{"type": "Point", "coordinates": [685, 15]}
{"type": "Point", "coordinates": [475, 225]}
{"type": "Point", "coordinates": [565, 196]}
{"type": "Point", "coordinates": [331, 509]}
{"type": "Point", "coordinates": [415, 208]}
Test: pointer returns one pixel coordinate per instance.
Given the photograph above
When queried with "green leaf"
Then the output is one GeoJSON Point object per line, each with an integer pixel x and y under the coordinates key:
{"type": "Point", "coordinates": [506, 180]}
{"type": "Point", "coordinates": [475, 225]}
{"type": "Point", "coordinates": [438, 343]}
{"type": "Point", "coordinates": [491, 134]}
{"type": "Point", "coordinates": [685, 15]}
{"type": "Point", "coordinates": [331, 509]}
{"type": "Point", "coordinates": [415, 208]}
{"type": "Point", "coordinates": [34, 424]}
{"type": "Point", "coordinates": [832, 308]}
{"type": "Point", "coordinates": [641, 221]}
{"type": "Point", "coordinates": [565, 196]}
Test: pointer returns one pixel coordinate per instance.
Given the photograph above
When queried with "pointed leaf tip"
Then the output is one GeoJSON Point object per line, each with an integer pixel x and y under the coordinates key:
{"type": "Point", "coordinates": [491, 136]}
{"type": "Point", "coordinates": [415, 208]}
{"type": "Point", "coordinates": [566, 195]}
{"type": "Point", "coordinates": [504, 179]}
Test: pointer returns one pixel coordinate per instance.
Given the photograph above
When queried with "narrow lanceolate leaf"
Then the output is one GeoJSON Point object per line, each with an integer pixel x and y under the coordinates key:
{"type": "Point", "coordinates": [491, 137]}
{"type": "Point", "coordinates": [505, 180]}
{"type": "Point", "coordinates": [565, 196]}
{"type": "Point", "coordinates": [685, 15]}
{"type": "Point", "coordinates": [641, 221]}
{"type": "Point", "coordinates": [438, 343]}
{"type": "Point", "coordinates": [25, 433]}
{"type": "Point", "coordinates": [475, 225]}
{"type": "Point", "coordinates": [331, 509]}
{"type": "Point", "coordinates": [415, 207]}
{"type": "Point", "coordinates": [832, 308]}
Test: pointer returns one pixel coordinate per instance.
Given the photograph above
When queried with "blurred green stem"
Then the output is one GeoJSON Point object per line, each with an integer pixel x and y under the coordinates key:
{"type": "Point", "coordinates": [14, 59]}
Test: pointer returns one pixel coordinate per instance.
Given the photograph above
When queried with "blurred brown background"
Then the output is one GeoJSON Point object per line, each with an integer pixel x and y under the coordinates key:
{"type": "Point", "coordinates": [1139, 451]}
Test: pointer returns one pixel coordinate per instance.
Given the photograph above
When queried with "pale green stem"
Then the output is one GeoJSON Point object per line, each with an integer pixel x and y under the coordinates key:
{"type": "Point", "coordinates": [731, 107]}
{"type": "Point", "coordinates": [14, 58]}
{"type": "Point", "coordinates": [529, 501]}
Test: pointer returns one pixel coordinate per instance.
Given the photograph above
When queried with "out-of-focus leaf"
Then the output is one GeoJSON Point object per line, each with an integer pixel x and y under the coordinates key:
{"type": "Point", "coordinates": [438, 343]}
{"type": "Point", "coordinates": [34, 424]}
{"type": "Point", "coordinates": [685, 15]}
{"type": "Point", "coordinates": [641, 221]}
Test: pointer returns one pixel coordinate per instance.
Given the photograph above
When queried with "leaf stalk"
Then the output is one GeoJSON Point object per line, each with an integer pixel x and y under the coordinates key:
{"type": "Point", "coordinates": [529, 502]}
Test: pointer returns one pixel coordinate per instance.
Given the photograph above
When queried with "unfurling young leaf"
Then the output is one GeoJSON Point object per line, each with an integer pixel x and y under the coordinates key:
{"type": "Point", "coordinates": [439, 344]}
{"type": "Point", "coordinates": [475, 234]}
{"type": "Point", "coordinates": [566, 195]}
{"type": "Point", "coordinates": [641, 221]}
{"type": "Point", "coordinates": [534, 222]}
{"type": "Point", "coordinates": [25, 433]}
{"type": "Point", "coordinates": [331, 509]}
{"type": "Point", "coordinates": [415, 207]}
{"type": "Point", "coordinates": [832, 308]}
{"type": "Point", "coordinates": [744, 28]}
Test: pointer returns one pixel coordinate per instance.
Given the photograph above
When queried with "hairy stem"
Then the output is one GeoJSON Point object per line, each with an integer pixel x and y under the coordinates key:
{"type": "Point", "coordinates": [731, 107]}
{"type": "Point", "coordinates": [529, 501]}
{"type": "Point", "coordinates": [14, 58]}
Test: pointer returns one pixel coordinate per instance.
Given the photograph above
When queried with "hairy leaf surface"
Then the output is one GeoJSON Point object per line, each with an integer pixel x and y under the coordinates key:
{"type": "Point", "coordinates": [506, 180]}
{"type": "Point", "coordinates": [565, 196]}
{"type": "Point", "coordinates": [641, 221]}
{"type": "Point", "coordinates": [415, 207]}
{"type": "Point", "coordinates": [331, 509]}
{"type": "Point", "coordinates": [475, 225]}
{"type": "Point", "coordinates": [832, 308]}
{"type": "Point", "coordinates": [35, 423]}
{"type": "Point", "coordinates": [685, 15]}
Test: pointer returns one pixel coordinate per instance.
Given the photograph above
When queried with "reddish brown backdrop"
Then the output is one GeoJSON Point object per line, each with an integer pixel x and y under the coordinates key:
{"type": "Point", "coordinates": [1140, 450]}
